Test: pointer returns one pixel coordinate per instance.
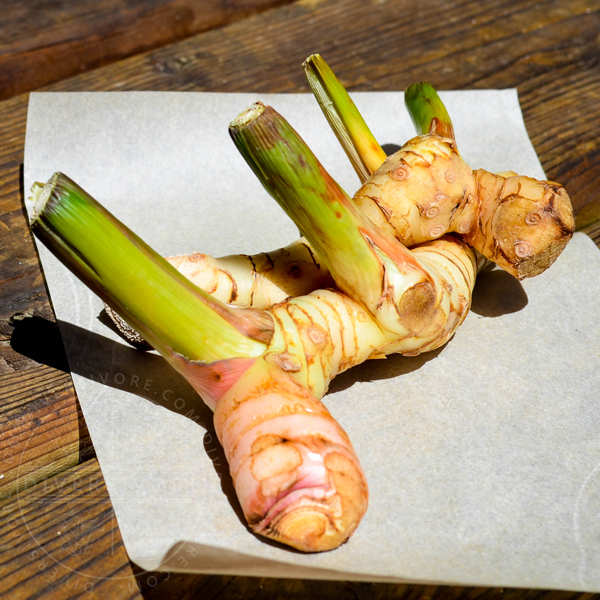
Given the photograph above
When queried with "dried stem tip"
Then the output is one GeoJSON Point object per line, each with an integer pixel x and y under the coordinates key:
{"type": "Point", "coordinates": [248, 115]}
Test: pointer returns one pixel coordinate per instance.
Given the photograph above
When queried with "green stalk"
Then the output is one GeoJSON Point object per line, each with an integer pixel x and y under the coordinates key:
{"type": "Point", "coordinates": [152, 296]}
{"type": "Point", "coordinates": [363, 150]}
{"type": "Point", "coordinates": [322, 211]}
{"type": "Point", "coordinates": [427, 111]}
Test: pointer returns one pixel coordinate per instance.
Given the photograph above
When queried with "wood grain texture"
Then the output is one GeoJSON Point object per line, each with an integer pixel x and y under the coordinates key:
{"type": "Point", "coordinates": [61, 536]}
{"type": "Point", "coordinates": [40, 433]}
{"type": "Point", "coordinates": [42, 429]}
{"type": "Point", "coordinates": [22, 287]}
{"type": "Point", "coordinates": [593, 231]}
{"type": "Point", "coordinates": [45, 41]}
{"type": "Point", "coordinates": [549, 50]}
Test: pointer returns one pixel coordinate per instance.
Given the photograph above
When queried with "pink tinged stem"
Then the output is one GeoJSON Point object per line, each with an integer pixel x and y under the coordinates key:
{"type": "Point", "coordinates": [212, 380]}
{"type": "Point", "coordinates": [400, 255]}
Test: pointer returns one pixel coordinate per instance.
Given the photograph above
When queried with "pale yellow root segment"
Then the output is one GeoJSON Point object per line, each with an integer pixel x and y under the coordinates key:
{"type": "Point", "coordinates": [295, 472]}
{"type": "Point", "coordinates": [426, 190]}
{"type": "Point", "coordinates": [258, 281]}
{"type": "Point", "coordinates": [421, 192]}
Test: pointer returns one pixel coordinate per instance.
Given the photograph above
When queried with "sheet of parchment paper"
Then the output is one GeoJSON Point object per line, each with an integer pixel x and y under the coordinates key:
{"type": "Point", "coordinates": [483, 457]}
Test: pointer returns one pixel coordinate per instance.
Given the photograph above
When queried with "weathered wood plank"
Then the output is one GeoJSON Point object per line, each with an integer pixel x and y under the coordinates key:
{"type": "Point", "coordinates": [61, 538]}
{"type": "Point", "coordinates": [187, 587]}
{"type": "Point", "coordinates": [22, 285]}
{"type": "Point", "coordinates": [593, 231]}
{"type": "Point", "coordinates": [42, 429]}
{"type": "Point", "coordinates": [43, 42]}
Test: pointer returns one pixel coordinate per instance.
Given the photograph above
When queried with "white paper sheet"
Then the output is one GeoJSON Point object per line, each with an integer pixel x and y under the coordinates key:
{"type": "Point", "coordinates": [483, 457]}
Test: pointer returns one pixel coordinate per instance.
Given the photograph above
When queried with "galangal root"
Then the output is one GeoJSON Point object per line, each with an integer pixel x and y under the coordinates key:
{"type": "Point", "coordinates": [263, 372]}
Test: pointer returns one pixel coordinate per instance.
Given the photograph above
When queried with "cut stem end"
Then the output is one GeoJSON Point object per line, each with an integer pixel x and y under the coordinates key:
{"type": "Point", "coordinates": [40, 194]}
{"type": "Point", "coordinates": [248, 115]}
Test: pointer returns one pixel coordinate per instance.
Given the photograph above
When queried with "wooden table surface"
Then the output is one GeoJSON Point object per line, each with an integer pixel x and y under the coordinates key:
{"type": "Point", "coordinates": [50, 479]}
